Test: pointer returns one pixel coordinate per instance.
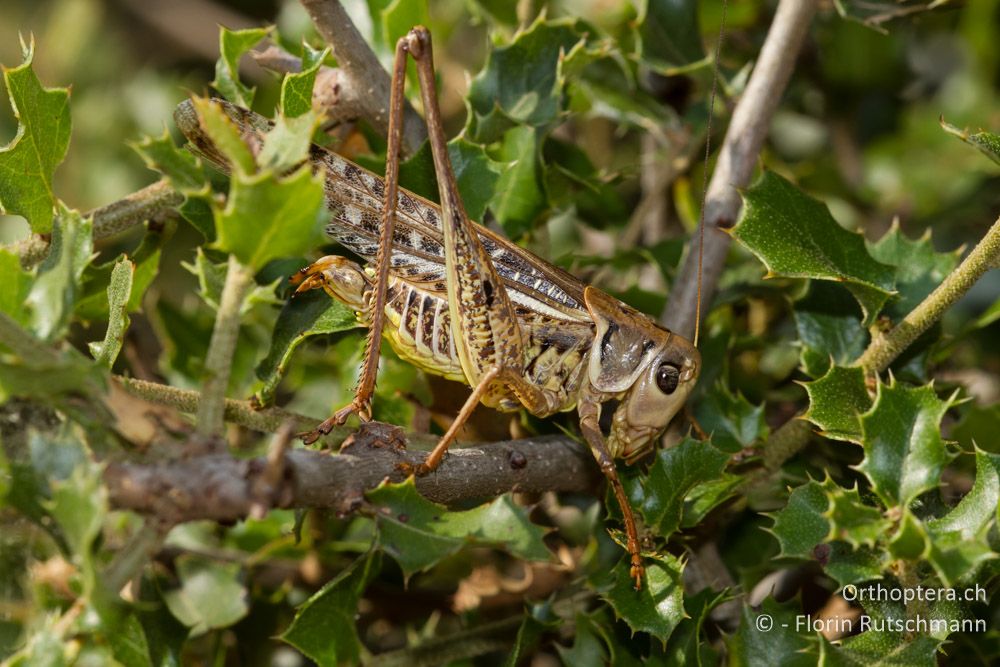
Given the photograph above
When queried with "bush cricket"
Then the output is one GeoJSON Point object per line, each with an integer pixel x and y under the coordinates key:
{"type": "Point", "coordinates": [459, 301]}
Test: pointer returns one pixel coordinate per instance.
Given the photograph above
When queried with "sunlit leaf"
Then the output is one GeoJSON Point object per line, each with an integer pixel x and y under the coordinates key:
{"type": "Point", "coordinates": [56, 289]}
{"type": "Point", "coordinates": [297, 87]}
{"type": "Point", "coordinates": [988, 143]}
{"type": "Point", "coordinates": [794, 235]}
{"type": "Point", "coordinates": [28, 162]}
{"type": "Point", "coordinates": [232, 45]}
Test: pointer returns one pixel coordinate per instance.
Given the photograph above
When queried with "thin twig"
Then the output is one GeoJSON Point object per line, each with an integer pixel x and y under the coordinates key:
{"type": "Point", "coordinates": [219, 360]}
{"type": "Point", "coordinates": [109, 220]}
{"type": "Point", "coordinates": [363, 71]}
{"type": "Point", "coordinates": [887, 346]}
{"type": "Point", "coordinates": [145, 542]}
{"type": "Point", "coordinates": [737, 159]}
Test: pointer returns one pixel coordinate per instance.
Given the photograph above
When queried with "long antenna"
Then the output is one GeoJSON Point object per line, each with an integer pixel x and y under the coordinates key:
{"type": "Point", "coordinates": [704, 175]}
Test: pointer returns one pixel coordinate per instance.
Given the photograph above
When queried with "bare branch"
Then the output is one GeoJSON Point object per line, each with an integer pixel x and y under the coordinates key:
{"type": "Point", "coordinates": [737, 158]}
{"type": "Point", "coordinates": [364, 74]}
{"type": "Point", "coordinates": [222, 488]}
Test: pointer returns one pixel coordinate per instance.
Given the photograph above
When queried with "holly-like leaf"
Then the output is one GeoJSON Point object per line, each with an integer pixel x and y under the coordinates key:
{"type": "Point", "coordinates": [909, 541]}
{"type": "Point", "coordinates": [687, 645]}
{"type": "Point", "coordinates": [287, 144]}
{"type": "Point", "coordinates": [477, 174]}
{"type": "Point", "coordinates": [659, 606]}
{"type": "Point", "coordinates": [675, 473]}
{"type": "Point", "coordinates": [829, 326]}
{"type": "Point", "coordinates": [587, 648]}
{"type": "Point", "coordinates": [847, 565]}
{"type": "Point", "coordinates": [732, 421]}
{"type": "Point", "coordinates": [16, 285]}
{"type": "Point", "coordinates": [324, 625]}
{"type": "Point", "coordinates": [419, 533]}
{"type": "Point", "coordinates": [522, 82]}
{"type": "Point", "coordinates": [268, 217]}
{"type": "Point", "coordinates": [669, 35]}
{"type": "Point", "coordinates": [850, 519]}
{"type": "Point", "coordinates": [958, 544]}
{"type": "Point", "coordinates": [28, 162]}
{"type": "Point", "coordinates": [211, 594]}
{"type": "Point", "coordinates": [57, 286]}
{"type": "Point", "coordinates": [519, 197]}
{"type": "Point", "coordinates": [988, 143]}
{"type": "Point", "coordinates": [232, 45]}
{"type": "Point", "coordinates": [224, 134]}
{"type": "Point", "coordinates": [836, 402]}
{"type": "Point", "coordinates": [297, 87]}
{"type": "Point", "coordinates": [794, 235]}
{"type": "Point", "coordinates": [186, 174]}
{"type": "Point", "coordinates": [769, 636]}
{"type": "Point", "coordinates": [879, 649]}
{"type": "Point", "coordinates": [802, 524]}
{"type": "Point", "coordinates": [919, 268]}
{"type": "Point", "coordinates": [901, 436]}
{"type": "Point", "coordinates": [119, 291]}
{"type": "Point", "coordinates": [308, 314]}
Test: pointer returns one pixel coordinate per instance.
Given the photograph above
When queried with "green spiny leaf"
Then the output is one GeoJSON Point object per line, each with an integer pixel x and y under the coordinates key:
{"type": "Point", "coordinates": [988, 143]}
{"type": "Point", "coordinates": [57, 287]}
{"type": "Point", "coordinates": [901, 436]}
{"type": "Point", "coordinates": [829, 327]}
{"type": "Point", "coordinates": [212, 277]}
{"type": "Point", "coordinates": [28, 162]}
{"type": "Point", "coordinates": [522, 82]}
{"type": "Point", "coordinates": [119, 291]}
{"type": "Point", "coordinates": [419, 533]}
{"type": "Point", "coordinates": [324, 626]}
{"type": "Point", "coordinates": [297, 88]}
{"type": "Point", "coordinates": [730, 419]}
{"type": "Point", "coordinates": [802, 524]}
{"type": "Point", "coordinates": [836, 402]}
{"type": "Point", "coordinates": [659, 606]}
{"type": "Point", "coordinates": [477, 174]}
{"type": "Point", "coordinates": [287, 144]}
{"type": "Point", "coordinates": [184, 170]}
{"type": "Point", "coordinates": [669, 35]}
{"type": "Point", "coordinates": [850, 519]}
{"type": "Point", "coordinates": [794, 235]}
{"type": "Point", "coordinates": [268, 217]}
{"type": "Point", "coordinates": [232, 45]}
{"type": "Point", "coordinates": [676, 472]}
{"type": "Point", "coordinates": [919, 268]}
{"type": "Point", "coordinates": [687, 644]}
{"type": "Point", "coordinates": [519, 197]}
{"type": "Point", "coordinates": [879, 649]}
{"type": "Point", "coordinates": [308, 314]}
{"type": "Point", "coordinates": [958, 544]}
{"type": "Point", "coordinates": [910, 541]}
{"type": "Point", "coordinates": [769, 636]}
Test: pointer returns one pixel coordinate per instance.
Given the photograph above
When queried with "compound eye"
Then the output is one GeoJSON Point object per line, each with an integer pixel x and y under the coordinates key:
{"type": "Point", "coordinates": [667, 376]}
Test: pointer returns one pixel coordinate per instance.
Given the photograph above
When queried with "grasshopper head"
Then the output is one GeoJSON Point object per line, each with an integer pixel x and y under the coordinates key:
{"type": "Point", "coordinates": [648, 370]}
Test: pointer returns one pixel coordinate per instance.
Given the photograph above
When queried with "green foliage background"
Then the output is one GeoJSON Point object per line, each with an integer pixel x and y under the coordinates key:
{"type": "Point", "coordinates": [564, 114]}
